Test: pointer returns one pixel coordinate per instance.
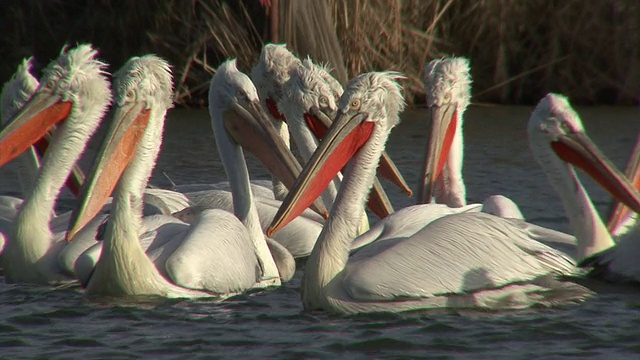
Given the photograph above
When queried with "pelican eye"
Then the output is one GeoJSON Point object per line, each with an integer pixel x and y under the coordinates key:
{"type": "Point", "coordinates": [242, 95]}
{"type": "Point", "coordinates": [355, 104]}
{"type": "Point", "coordinates": [566, 127]}
{"type": "Point", "coordinates": [49, 85]}
{"type": "Point", "coordinates": [324, 101]}
{"type": "Point", "coordinates": [447, 98]}
{"type": "Point", "coordinates": [130, 94]}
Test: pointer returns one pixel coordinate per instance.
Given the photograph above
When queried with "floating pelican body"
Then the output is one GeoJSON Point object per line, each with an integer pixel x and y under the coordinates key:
{"type": "Point", "coordinates": [299, 237]}
{"type": "Point", "coordinates": [219, 253]}
{"type": "Point", "coordinates": [612, 256]}
{"type": "Point", "coordinates": [463, 260]}
{"type": "Point", "coordinates": [74, 92]}
{"type": "Point", "coordinates": [448, 91]}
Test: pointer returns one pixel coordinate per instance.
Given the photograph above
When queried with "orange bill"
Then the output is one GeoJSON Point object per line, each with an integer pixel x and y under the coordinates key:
{"type": "Point", "coordinates": [249, 127]}
{"type": "Point", "coordinates": [345, 137]}
{"type": "Point", "coordinates": [378, 201]}
{"type": "Point", "coordinates": [36, 118]}
{"type": "Point", "coordinates": [116, 152]}
{"type": "Point", "coordinates": [579, 150]}
{"type": "Point", "coordinates": [273, 109]}
{"type": "Point", "coordinates": [319, 123]}
{"type": "Point", "coordinates": [444, 122]}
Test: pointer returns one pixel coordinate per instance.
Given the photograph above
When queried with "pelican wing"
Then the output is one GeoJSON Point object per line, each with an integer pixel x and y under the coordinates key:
{"type": "Point", "coordinates": [215, 255]}
{"type": "Point", "coordinates": [556, 239]}
{"type": "Point", "coordinates": [298, 237]}
{"type": "Point", "coordinates": [259, 188]}
{"type": "Point", "coordinates": [456, 254]}
{"type": "Point", "coordinates": [408, 221]}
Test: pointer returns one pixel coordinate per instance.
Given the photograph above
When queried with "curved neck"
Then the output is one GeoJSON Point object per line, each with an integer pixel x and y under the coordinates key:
{"type": "Point", "coordinates": [590, 232]}
{"type": "Point", "coordinates": [244, 207]}
{"type": "Point", "coordinates": [32, 239]}
{"type": "Point", "coordinates": [124, 267]}
{"type": "Point", "coordinates": [331, 251]}
{"type": "Point", "coordinates": [28, 166]}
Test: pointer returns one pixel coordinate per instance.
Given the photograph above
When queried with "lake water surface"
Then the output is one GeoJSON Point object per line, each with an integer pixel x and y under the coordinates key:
{"type": "Point", "coordinates": [62, 323]}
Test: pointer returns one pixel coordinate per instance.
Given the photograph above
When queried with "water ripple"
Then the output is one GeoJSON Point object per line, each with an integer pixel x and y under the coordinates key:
{"type": "Point", "coordinates": [42, 322]}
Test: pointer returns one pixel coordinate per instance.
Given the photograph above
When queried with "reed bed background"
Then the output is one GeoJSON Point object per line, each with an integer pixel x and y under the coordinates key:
{"type": "Point", "coordinates": [519, 50]}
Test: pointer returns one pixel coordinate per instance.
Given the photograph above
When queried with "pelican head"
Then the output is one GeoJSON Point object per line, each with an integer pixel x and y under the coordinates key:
{"type": "Point", "coordinates": [238, 118]}
{"type": "Point", "coordinates": [143, 93]}
{"type": "Point", "coordinates": [308, 96]}
{"type": "Point", "coordinates": [324, 70]}
{"type": "Point", "coordinates": [17, 91]}
{"type": "Point", "coordinates": [367, 111]}
{"type": "Point", "coordinates": [73, 84]}
{"type": "Point", "coordinates": [554, 127]}
{"type": "Point", "coordinates": [447, 85]}
{"type": "Point", "coordinates": [271, 73]}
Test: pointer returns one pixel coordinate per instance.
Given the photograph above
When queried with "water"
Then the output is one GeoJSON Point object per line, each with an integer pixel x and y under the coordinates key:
{"type": "Point", "coordinates": [63, 323]}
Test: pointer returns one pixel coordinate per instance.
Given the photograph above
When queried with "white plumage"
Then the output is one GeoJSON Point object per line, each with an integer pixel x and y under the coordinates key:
{"type": "Point", "coordinates": [462, 260]}
{"type": "Point", "coordinates": [219, 254]}
{"type": "Point", "coordinates": [73, 87]}
{"type": "Point", "coordinates": [448, 93]}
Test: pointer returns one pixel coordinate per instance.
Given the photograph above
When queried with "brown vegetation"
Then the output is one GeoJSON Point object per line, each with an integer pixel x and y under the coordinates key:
{"type": "Point", "coordinates": [519, 50]}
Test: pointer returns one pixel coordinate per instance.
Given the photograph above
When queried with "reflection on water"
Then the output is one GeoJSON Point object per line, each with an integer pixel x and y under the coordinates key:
{"type": "Point", "coordinates": [63, 323]}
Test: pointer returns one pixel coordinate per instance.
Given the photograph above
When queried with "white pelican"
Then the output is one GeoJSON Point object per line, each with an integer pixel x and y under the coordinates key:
{"type": "Point", "coordinates": [464, 260]}
{"type": "Point", "coordinates": [448, 91]}
{"type": "Point", "coordinates": [611, 261]}
{"type": "Point", "coordinates": [219, 254]}
{"type": "Point", "coordinates": [15, 93]}
{"type": "Point", "coordinates": [73, 88]}
{"type": "Point", "coordinates": [269, 75]}
{"type": "Point", "coordinates": [308, 103]}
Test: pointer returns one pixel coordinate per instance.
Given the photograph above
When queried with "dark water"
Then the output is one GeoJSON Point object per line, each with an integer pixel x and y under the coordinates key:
{"type": "Point", "coordinates": [62, 323]}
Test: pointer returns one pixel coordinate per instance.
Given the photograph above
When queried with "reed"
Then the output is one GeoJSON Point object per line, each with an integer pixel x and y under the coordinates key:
{"type": "Point", "coordinates": [519, 50]}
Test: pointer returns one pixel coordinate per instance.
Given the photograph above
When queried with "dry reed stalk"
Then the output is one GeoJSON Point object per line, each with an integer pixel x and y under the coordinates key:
{"type": "Point", "coordinates": [589, 49]}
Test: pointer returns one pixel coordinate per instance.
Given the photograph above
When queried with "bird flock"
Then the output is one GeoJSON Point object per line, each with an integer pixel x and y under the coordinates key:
{"type": "Point", "coordinates": [127, 238]}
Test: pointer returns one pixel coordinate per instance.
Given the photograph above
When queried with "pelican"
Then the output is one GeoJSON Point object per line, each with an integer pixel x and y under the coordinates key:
{"type": "Point", "coordinates": [269, 75]}
{"type": "Point", "coordinates": [73, 90]}
{"type": "Point", "coordinates": [610, 255]}
{"type": "Point", "coordinates": [308, 102]}
{"type": "Point", "coordinates": [300, 236]}
{"type": "Point", "coordinates": [448, 88]}
{"type": "Point", "coordinates": [219, 254]}
{"type": "Point", "coordinates": [463, 260]}
{"type": "Point", "coordinates": [15, 93]}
